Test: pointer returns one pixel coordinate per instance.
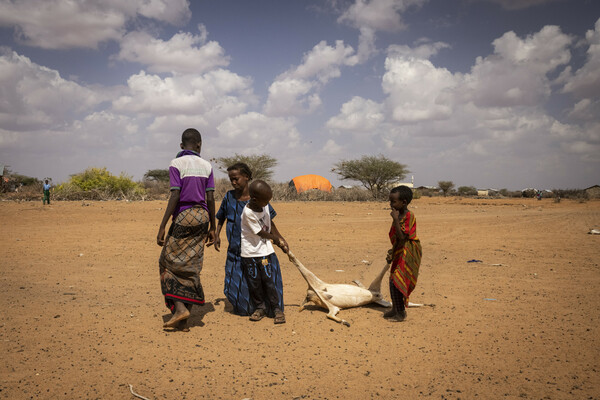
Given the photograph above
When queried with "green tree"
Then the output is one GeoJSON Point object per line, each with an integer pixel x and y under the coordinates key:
{"type": "Point", "coordinates": [375, 173]}
{"type": "Point", "coordinates": [467, 191]}
{"type": "Point", "coordinates": [446, 186]}
{"type": "Point", "coordinates": [160, 175]}
{"type": "Point", "coordinates": [261, 165]}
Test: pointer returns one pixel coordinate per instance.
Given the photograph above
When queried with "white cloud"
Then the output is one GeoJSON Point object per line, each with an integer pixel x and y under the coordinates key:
{"type": "Point", "coordinates": [33, 96]}
{"type": "Point", "coordinates": [586, 80]}
{"type": "Point", "coordinates": [424, 51]}
{"type": "Point", "coordinates": [370, 16]}
{"type": "Point", "coordinates": [323, 62]}
{"type": "Point", "coordinates": [291, 97]}
{"type": "Point", "coordinates": [56, 24]}
{"type": "Point", "coordinates": [417, 90]}
{"type": "Point", "coordinates": [106, 129]}
{"type": "Point", "coordinates": [516, 74]}
{"type": "Point", "coordinates": [379, 15]}
{"type": "Point", "coordinates": [294, 92]}
{"type": "Point", "coordinates": [366, 44]}
{"type": "Point", "coordinates": [219, 93]}
{"type": "Point", "coordinates": [175, 12]}
{"type": "Point", "coordinates": [257, 133]}
{"type": "Point", "coordinates": [183, 53]}
{"type": "Point", "coordinates": [493, 115]}
{"type": "Point", "coordinates": [585, 110]}
{"type": "Point", "coordinates": [358, 115]}
{"type": "Point", "coordinates": [332, 148]}
{"type": "Point", "coordinates": [587, 151]}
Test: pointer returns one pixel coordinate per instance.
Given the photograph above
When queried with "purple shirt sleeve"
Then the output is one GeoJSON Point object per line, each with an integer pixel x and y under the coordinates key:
{"type": "Point", "coordinates": [174, 178]}
{"type": "Point", "coordinates": [210, 184]}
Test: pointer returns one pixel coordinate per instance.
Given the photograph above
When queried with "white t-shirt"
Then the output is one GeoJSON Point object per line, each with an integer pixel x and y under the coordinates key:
{"type": "Point", "coordinates": [252, 223]}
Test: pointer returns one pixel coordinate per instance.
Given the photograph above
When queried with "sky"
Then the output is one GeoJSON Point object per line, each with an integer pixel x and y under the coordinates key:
{"type": "Point", "coordinates": [484, 93]}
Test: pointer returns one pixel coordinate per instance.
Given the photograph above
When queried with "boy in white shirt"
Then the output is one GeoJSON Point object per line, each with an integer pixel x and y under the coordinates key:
{"type": "Point", "coordinates": [259, 260]}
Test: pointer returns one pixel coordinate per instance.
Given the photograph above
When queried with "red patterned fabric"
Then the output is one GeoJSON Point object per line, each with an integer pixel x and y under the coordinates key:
{"type": "Point", "coordinates": [407, 259]}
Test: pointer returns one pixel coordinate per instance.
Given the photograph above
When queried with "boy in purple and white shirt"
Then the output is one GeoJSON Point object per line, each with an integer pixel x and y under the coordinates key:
{"type": "Point", "coordinates": [193, 177]}
{"type": "Point", "coordinates": [192, 208]}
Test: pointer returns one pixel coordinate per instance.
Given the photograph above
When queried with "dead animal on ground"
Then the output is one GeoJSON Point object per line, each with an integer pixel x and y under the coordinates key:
{"type": "Point", "coordinates": [337, 296]}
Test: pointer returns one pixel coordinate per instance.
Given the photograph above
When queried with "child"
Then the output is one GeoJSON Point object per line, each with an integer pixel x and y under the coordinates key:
{"type": "Point", "coordinates": [46, 192]}
{"type": "Point", "coordinates": [230, 213]}
{"type": "Point", "coordinates": [258, 256]}
{"type": "Point", "coordinates": [405, 255]}
{"type": "Point", "coordinates": [192, 207]}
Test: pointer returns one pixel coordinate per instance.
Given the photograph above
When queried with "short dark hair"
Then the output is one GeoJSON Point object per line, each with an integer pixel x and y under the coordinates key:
{"type": "Point", "coordinates": [259, 188]}
{"type": "Point", "coordinates": [191, 136]}
{"type": "Point", "coordinates": [242, 167]}
{"type": "Point", "coordinates": [404, 193]}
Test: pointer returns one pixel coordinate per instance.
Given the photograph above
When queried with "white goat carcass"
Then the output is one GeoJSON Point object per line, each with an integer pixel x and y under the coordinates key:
{"type": "Point", "coordinates": [337, 296]}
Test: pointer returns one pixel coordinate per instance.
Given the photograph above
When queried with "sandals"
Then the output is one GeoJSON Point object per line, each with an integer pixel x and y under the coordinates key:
{"type": "Point", "coordinates": [258, 315]}
{"type": "Point", "coordinates": [279, 317]}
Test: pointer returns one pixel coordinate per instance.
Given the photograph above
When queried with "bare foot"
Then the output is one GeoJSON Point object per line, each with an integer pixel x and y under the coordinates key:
{"type": "Point", "coordinates": [183, 326]}
{"type": "Point", "coordinates": [178, 316]}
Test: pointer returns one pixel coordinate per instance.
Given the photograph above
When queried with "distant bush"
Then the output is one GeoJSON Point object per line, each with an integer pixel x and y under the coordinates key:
{"type": "Point", "coordinates": [25, 193]}
{"type": "Point", "coordinates": [99, 184]}
{"type": "Point", "coordinates": [467, 191]}
{"type": "Point", "coordinates": [24, 180]}
{"type": "Point", "coordinates": [156, 190]}
{"type": "Point", "coordinates": [529, 193]}
{"type": "Point", "coordinates": [575, 194]}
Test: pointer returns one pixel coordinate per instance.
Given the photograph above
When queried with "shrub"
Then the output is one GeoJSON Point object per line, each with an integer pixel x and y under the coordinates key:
{"type": "Point", "coordinates": [467, 191]}
{"type": "Point", "coordinates": [99, 184]}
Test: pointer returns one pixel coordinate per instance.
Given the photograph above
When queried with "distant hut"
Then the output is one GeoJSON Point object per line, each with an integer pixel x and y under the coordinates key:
{"type": "Point", "coordinates": [303, 183]}
{"type": "Point", "coordinates": [593, 192]}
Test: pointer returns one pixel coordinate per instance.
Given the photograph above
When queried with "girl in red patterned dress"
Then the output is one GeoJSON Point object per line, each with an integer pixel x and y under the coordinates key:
{"type": "Point", "coordinates": [405, 255]}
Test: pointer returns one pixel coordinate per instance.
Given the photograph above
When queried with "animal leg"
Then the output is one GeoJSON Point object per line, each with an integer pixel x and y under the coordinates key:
{"type": "Point", "coordinates": [358, 283]}
{"type": "Point", "coordinates": [338, 319]}
{"type": "Point", "coordinates": [383, 303]}
{"type": "Point", "coordinates": [303, 305]}
{"type": "Point", "coordinates": [333, 310]}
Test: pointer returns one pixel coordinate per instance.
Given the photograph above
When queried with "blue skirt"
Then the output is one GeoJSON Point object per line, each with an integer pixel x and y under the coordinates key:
{"type": "Point", "coordinates": [236, 286]}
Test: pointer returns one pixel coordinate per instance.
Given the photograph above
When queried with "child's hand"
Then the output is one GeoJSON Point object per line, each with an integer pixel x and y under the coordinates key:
{"type": "Point", "coordinates": [160, 238]}
{"type": "Point", "coordinates": [283, 245]}
{"type": "Point", "coordinates": [395, 214]}
{"type": "Point", "coordinates": [390, 256]}
{"type": "Point", "coordinates": [210, 238]}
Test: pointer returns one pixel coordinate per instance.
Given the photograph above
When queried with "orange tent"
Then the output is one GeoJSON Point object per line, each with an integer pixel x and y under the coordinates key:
{"type": "Point", "coordinates": [307, 182]}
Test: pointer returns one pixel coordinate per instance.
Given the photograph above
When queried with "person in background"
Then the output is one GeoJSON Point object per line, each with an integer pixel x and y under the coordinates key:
{"type": "Point", "coordinates": [47, 187]}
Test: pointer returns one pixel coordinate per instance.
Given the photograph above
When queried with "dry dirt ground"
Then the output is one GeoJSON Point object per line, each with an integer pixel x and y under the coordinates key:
{"type": "Point", "coordinates": [82, 311]}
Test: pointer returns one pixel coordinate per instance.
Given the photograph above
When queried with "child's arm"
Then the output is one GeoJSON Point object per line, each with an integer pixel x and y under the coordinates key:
{"type": "Point", "coordinates": [210, 201]}
{"type": "Point", "coordinates": [218, 236]}
{"type": "Point", "coordinates": [276, 238]}
{"type": "Point", "coordinates": [281, 241]}
{"type": "Point", "coordinates": [173, 200]}
{"type": "Point", "coordinates": [401, 237]}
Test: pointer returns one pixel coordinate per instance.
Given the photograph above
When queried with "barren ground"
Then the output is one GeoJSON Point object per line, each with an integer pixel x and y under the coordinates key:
{"type": "Point", "coordinates": [82, 309]}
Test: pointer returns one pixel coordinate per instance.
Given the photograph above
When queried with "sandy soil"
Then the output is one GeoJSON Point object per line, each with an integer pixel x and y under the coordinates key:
{"type": "Point", "coordinates": [82, 311]}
